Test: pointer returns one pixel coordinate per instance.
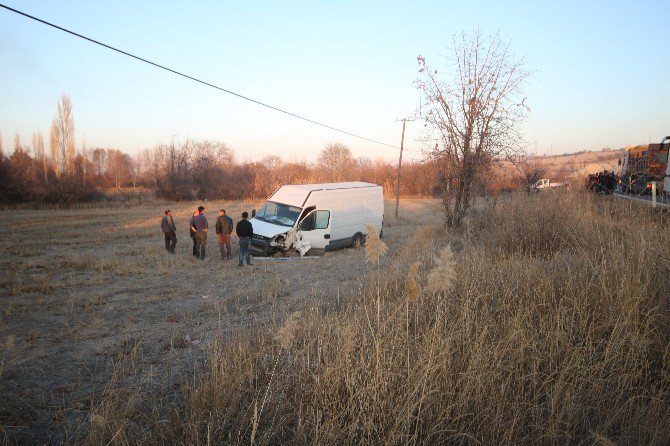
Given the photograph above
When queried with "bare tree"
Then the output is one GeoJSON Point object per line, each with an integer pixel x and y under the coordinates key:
{"type": "Point", "coordinates": [295, 173]}
{"type": "Point", "coordinates": [119, 167]}
{"type": "Point", "coordinates": [530, 171]}
{"type": "Point", "coordinates": [268, 175]}
{"type": "Point", "coordinates": [54, 148]}
{"type": "Point", "coordinates": [152, 162]}
{"type": "Point", "coordinates": [38, 145]}
{"type": "Point", "coordinates": [208, 163]}
{"type": "Point", "coordinates": [474, 112]}
{"type": "Point", "coordinates": [172, 170]}
{"type": "Point", "coordinates": [336, 160]}
{"type": "Point", "coordinates": [62, 135]}
{"type": "Point", "coordinates": [272, 162]}
{"type": "Point", "coordinates": [38, 148]}
{"type": "Point", "coordinates": [17, 142]}
{"type": "Point", "coordinates": [84, 159]}
{"type": "Point", "coordinates": [99, 162]}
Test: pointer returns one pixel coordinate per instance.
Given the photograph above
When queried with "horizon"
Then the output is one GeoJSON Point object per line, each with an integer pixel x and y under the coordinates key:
{"type": "Point", "coordinates": [314, 161]}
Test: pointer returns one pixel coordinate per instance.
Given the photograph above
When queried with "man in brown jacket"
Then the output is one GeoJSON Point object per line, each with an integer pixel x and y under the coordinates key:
{"type": "Point", "coordinates": [224, 227]}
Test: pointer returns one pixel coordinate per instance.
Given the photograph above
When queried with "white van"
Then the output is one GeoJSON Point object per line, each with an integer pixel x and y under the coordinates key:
{"type": "Point", "coordinates": [317, 216]}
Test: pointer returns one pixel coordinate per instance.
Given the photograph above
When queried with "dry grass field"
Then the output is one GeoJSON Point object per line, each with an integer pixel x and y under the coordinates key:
{"type": "Point", "coordinates": [82, 291]}
{"type": "Point", "coordinates": [544, 320]}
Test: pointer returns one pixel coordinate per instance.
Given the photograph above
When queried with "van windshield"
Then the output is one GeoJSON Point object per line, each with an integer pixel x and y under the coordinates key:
{"type": "Point", "coordinates": [278, 213]}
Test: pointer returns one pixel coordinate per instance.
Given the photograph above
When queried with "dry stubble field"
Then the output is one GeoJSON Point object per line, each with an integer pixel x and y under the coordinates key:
{"type": "Point", "coordinates": [84, 290]}
{"type": "Point", "coordinates": [544, 319]}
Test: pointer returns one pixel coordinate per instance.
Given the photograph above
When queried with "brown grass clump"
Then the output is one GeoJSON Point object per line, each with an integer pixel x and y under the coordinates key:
{"type": "Point", "coordinates": [375, 248]}
{"type": "Point", "coordinates": [412, 284]}
{"type": "Point", "coordinates": [9, 342]}
{"type": "Point", "coordinates": [443, 274]}
{"type": "Point", "coordinates": [286, 333]}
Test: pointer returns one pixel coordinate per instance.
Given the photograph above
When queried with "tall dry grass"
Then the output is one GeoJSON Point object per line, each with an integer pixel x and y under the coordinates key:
{"type": "Point", "coordinates": [551, 326]}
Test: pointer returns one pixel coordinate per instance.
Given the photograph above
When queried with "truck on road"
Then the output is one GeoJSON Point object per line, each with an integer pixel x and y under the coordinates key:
{"type": "Point", "coordinates": [545, 184]}
{"type": "Point", "coordinates": [643, 165]}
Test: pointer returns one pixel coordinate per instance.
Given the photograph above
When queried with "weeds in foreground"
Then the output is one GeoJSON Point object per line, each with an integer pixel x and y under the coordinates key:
{"type": "Point", "coordinates": [375, 248]}
{"type": "Point", "coordinates": [550, 326]}
{"type": "Point", "coordinates": [439, 280]}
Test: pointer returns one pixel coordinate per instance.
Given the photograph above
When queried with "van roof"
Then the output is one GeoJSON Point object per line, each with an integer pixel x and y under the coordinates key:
{"type": "Point", "coordinates": [296, 194]}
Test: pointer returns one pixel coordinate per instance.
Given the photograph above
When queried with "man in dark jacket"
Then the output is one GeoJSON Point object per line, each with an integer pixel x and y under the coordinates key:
{"type": "Point", "coordinates": [191, 230]}
{"type": "Point", "coordinates": [245, 231]}
{"type": "Point", "coordinates": [170, 231]}
{"type": "Point", "coordinates": [224, 227]}
{"type": "Point", "coordinates": [200, 226]}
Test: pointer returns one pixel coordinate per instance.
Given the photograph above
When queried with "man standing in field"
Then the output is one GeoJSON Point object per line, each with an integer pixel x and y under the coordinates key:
{"type": "Point", "coordinates": [245, 231]}
{"type": "Point", "coordinates": [224, 227]}
{"type": "Point", "coordinates": [170, 231]}
{"type": "Point", "coordinates": [191, 226]}
{"type": "Point", "coordinates": [201, 227]}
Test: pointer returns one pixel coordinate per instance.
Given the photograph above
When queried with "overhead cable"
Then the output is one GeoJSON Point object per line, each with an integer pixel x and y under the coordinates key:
{"type": "Point", "coordinates": [157, 65]}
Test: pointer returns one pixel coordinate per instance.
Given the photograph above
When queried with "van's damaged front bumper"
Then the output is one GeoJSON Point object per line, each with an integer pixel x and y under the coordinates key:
{"type": "Point", "coordinates": [260, 246]}
{"type": "Point", "coordinates": [280, 243]}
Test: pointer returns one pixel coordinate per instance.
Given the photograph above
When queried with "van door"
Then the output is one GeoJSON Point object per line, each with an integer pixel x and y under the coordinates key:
{"type": "Point", "coordinates": [315, 228]}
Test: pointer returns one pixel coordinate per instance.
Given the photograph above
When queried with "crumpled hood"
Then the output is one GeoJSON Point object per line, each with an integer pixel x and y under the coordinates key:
{"type": "Point", "coordinates": [268, 229]}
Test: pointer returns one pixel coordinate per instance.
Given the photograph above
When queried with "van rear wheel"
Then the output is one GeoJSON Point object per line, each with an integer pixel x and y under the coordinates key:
{"type": "Point", "coordinates": [358, 241]}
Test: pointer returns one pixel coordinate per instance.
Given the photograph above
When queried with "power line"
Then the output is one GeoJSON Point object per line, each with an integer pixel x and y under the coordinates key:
{"type": "Point", "coordinates": [246, 98]}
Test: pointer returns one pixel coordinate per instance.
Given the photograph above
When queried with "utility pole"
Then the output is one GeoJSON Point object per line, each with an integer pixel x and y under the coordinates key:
{"type": "Point", "coordinates": [402, 143]}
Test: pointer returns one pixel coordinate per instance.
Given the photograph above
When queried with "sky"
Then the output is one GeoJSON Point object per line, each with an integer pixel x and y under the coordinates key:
{"type": "Point", "coordinates": [600, 71]}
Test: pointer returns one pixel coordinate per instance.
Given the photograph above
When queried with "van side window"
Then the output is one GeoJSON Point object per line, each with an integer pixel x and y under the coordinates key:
{"type": "Point", "coordinates": [322, 218]}
{"type": "Point", "coordinates": [315, 220]}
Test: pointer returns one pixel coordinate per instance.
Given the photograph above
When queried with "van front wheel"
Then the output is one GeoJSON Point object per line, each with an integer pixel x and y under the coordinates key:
{"type": "Point", "coordinates": [358, 241]}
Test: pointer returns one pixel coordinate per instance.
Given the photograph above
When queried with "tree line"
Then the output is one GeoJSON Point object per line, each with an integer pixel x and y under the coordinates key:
{"type": "Point", "coordinates": [204, 170]}
{"type": "Point", "coordinates": [180, 170]}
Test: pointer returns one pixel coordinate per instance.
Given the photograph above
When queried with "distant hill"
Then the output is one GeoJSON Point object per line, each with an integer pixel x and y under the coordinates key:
{"type": "Point", "coordinates": [580, 164]}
